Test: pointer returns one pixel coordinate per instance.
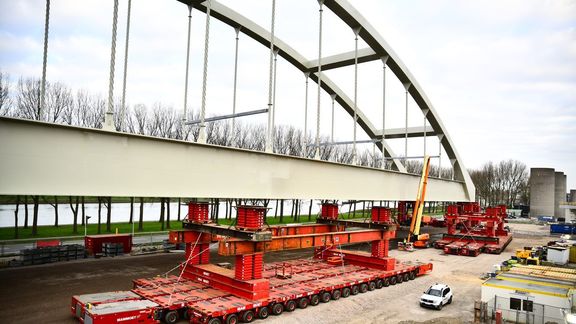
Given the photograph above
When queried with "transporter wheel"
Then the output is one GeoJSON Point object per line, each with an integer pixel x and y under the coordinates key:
{"type": "Point", "coordinates": [386, 282]}
{"type": "Point", "coordinates": [184, 314]}
{"type": "Point", "coordinates": [379, 283]}
{"type": "Point", "coordinates": [263, 312]}
{"type": "Point", "coordinates": [363, 288]}
{"type": "Point", "coordinates": [215, 320]}
{"type": "Point", "coordinates": [399, 278]}
{"type": "Point", "coordinates": [290, 306]}
{"type": "Point", "coordinates": [171, 317]}
{"type": "Point", "coordinates": [371, 285]}
{"type": "Point", "coordinates": [406, 276]}
{"type": "Point", "coordinates": [303, 302]}
{"type": "Point", "coordinates": [232, 319]}
{"type": "Point", "coordinates": [325, 297]}
{"type": "Point", "coordinates": [355, 290]}
{"type": "Point", "coordinates": [336, 294]}
{"type": "Point", "coordinates": [393, 280]}
{"type": "Point", "coordinates": [413, 275]}
{"type": "Point", "coordinates": [277, 309]}
{"type": "Point", "coordinates": [247, 316]}
{"type": "Point", "coordinates": [314, 300]}
{"type": "Point", "coordinates": [345, 292]}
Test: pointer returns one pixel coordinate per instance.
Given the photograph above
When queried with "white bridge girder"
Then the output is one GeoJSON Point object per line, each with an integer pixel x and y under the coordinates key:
{"type": "Point", "coordinates": [39, 158]}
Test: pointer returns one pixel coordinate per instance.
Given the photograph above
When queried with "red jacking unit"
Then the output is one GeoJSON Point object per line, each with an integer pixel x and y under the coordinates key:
{"type": "Point", "coordinates": [207, 293]}
{"type": "Point", "coordinates": [471, 231]}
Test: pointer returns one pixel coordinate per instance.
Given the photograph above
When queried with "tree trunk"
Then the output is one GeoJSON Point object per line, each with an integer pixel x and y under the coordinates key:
{"type": "Point", "coordinates": [36, 201]}
{"type": "Point", "coordinates": [281, 210]}
{"type": "Point", "coordinates": [349, 209]}
{"type": "Point", "coordinates": [83, 211]}
{"type": "Point", "coordinates": [25, 211]}
{"type": "Point", "coordinates": [363, 208]}
{"type": "Point", "coordinates": [131, 210]}
{"type": "Point", "coordinates": [74, 214]}
{"type": "Point", "coordinates": [167, 213]}
{"type": "Point", "coordinates": [276, 209]}
{"type": "Point", "coordinates": [16, 217]}
{"type": "Point", "coordinates": [298, 209]}
{"type": "Point", "coordinates": [55, 211]}
{"type": "Point", "coordinates": [162, 214]}
{"type": "Point", "coordinates": [180, 208]}
{"type": "Point", "coordinates": [109, 215]}
{"type": "Point", "coordinates": [99, 215]}
{"type": "Point", "coordinates": [217, 210]}
{"type": "Point", "coordinates": [354, 211]}
{"type": "Point", "coordinates": [141, 219]}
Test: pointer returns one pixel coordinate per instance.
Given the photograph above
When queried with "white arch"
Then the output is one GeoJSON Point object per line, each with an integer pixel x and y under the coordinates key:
{"type": "Point", "coordinates": [378, 48]}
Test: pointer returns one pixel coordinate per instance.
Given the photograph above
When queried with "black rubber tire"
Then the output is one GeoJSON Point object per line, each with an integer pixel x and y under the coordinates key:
{"type": "Point", "coordinates": [277, 309]}
{"type": "Point", "coordinates": [440, 307]}
{"type": "Point", "coordinates": [247, 316]}
{"type": "Point", "coordinates": [399, 278]}
{"type": "Point", "coordinates": [215, 320]}
{"type": "Point", "coordinates": [355, 290]}
{"type": "Point", "coordinates": [413, 275]}
{"type": "Point", "coordinates": [345, 292]}
{"type": "Point", "coordinates": [363, 287]}
{"type": "Point", "coordinates": [379, 283]}
{"type": "Point", "coordinates": [325, 297]}
{"type": "Point", "coordinates": [386, 282]}
{"type": "Point", "coordinates": [232, 319]}
{"type": "Point", "coordinates": [393, 280]}
{"type": "Point", "coordinates": [171, 317]}
{"type": "Point", "coordinates": [371, 285]}
{"type": "Point", "coordinates": [406, 276]}
{"type": "Point", "coordinates": [303, 302]}
{"type": "Point", "coordinates": [336, 294]}
{"type": "Point", "coordinates": [184, 314]}
{"type": "Point", "coordinates": [314, 300]}
{"type": "Point", "coordinates": [290, 306]}
{"type": "Point", "coordinates": [450, 300]}
{"type": "Point", "coordinates": [263, 312]}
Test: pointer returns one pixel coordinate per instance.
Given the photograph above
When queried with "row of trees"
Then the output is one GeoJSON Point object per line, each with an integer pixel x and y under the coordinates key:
{"type": "Point", "coordinates": [505, 182]}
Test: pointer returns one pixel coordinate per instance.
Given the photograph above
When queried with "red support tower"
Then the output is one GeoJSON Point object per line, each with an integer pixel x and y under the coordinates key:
{"type": "Point", "coordinates": [329, 211]}
{"type": "Point", "coordinates": [250, 217]}
{"type": "Point", "coordinates": [198, 212]}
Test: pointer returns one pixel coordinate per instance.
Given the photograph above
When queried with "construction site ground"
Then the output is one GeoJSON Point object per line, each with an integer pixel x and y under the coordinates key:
{"type": "Point", "coordinates": [41, 294]}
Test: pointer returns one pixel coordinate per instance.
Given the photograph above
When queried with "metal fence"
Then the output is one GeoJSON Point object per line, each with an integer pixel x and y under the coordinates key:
{"type": "Point", "coordinates": [526, 311]}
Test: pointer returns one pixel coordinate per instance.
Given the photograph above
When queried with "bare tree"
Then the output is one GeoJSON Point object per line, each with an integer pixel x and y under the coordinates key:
{"type": "Point", "coordinates": [28, 98]}
{"type": "Point", "coordinates": [5, 100]}
{"type": "Point", "coordinates": [74, 208]}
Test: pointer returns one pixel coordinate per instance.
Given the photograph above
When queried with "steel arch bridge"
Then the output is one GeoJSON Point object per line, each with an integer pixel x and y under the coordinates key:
{"type": "Point", "coordinates": [25, 155]}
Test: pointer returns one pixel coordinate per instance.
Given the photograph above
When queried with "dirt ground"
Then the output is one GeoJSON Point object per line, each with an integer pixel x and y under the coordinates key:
{"type": "Point", "coordinates": [41, 294]}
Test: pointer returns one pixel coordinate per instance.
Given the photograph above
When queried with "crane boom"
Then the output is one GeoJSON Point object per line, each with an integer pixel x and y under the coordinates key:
{"type": "Point", "coordinates": [419, 203]}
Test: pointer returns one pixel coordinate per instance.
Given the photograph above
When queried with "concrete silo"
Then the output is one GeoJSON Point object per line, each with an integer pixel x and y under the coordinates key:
{"type": "Point", "coordinates": [572, 195]}
{"type": "Point", "coordinates": [559, 193]}
{"type": "Point", "coordinates": [542, 192]}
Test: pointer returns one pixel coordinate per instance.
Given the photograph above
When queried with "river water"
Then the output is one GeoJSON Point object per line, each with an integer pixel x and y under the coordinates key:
{"type": "Point", "coordinates": [120, 212]}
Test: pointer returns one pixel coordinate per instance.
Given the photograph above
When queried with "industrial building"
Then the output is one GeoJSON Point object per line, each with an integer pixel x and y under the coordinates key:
{"type": "Point", "coordinates": [531, 294]}
{"type": "Point", "coordinates": [547, 193]}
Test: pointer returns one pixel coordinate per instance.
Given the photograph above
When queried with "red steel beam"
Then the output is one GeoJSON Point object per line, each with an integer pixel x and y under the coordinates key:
{"type": "Point", "coordinates": [235, 246]}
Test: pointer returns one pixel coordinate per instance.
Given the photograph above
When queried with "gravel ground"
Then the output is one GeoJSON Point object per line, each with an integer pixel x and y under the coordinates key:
{"type": "Point", "coordinates": [41, 294]}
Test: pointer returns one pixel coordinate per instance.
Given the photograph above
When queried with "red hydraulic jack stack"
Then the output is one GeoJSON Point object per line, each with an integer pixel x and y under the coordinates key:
{"type": "Point", "coordinates": [208, 293]}
{"type": "Point", "coordinates": [471, 231]}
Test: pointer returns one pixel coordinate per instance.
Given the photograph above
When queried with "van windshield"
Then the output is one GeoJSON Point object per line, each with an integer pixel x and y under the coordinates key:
{"type": "Point", "coordinates": [434, 292]}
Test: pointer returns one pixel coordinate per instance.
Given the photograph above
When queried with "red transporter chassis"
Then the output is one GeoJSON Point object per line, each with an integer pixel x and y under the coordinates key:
{"type": "Point", "coordinates": [207, 293]}
{"type": "Point", "coordinates": [479, 232]}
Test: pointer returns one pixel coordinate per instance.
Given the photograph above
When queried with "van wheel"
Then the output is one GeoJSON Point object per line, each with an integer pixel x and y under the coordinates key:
{"type": "Point", "coordinates": [450, 300]}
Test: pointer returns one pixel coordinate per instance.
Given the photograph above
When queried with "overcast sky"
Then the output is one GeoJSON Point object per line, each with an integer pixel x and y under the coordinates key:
{"type": "Point", "coordinates": [501, 73]}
